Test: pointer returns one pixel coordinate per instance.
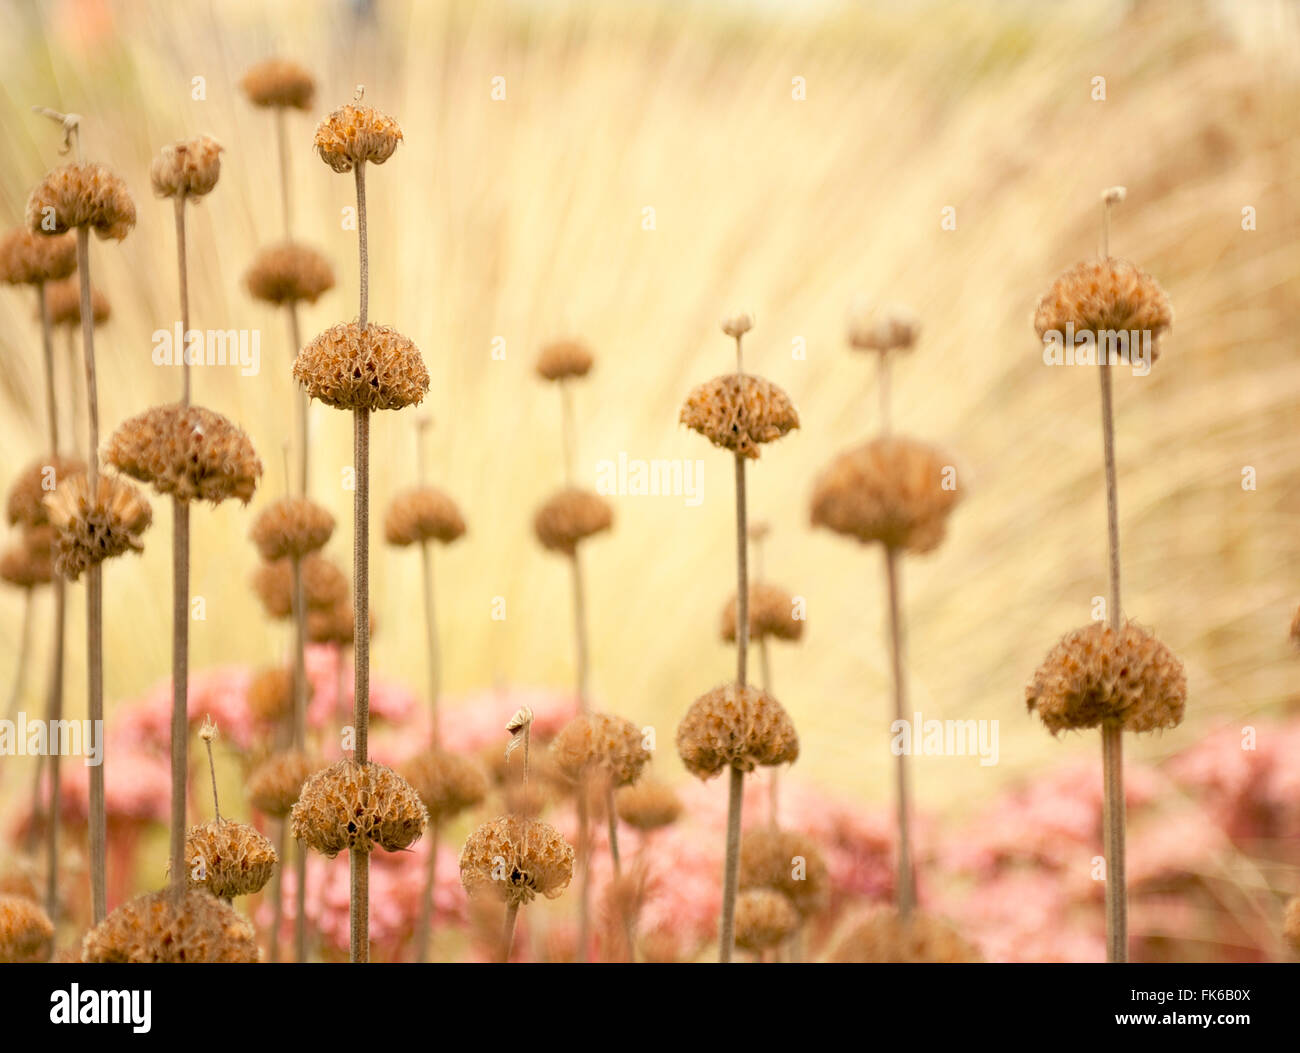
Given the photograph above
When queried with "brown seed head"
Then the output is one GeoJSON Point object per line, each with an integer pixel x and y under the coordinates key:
{"type": "Point", "coordinates": [279, 82]}
{"type": "Point", "coordinates": [648, 805]}
{"type": "Point", "coordinates": [270, 695]}
{"type": "Point", "coordinates": [1096, 675]}
{"type": "Point", "coordinates": [765, 919]}
{"type": "Point", "coordinates": [564, 359]}
{"type": "Point", "coordinates": [735, 727]}
{"type": "Point", "coordinates": [446, 782]}
{"type": "Point", "coordinates": [882, 329]}
{"type": "Point", "coordinates": [274, 785]}
{"type": "Point", "coordinates": [189, 452]}
{"type": "Point", "coordinates": [885, 937]}
{"type": "Point", "coordinates": [889, 490]}
{"type": "Point", "coordinates": [189, 168]}
{"type": "Point", "coordinates": [351, 806]}
{"type": "Point", "coordinates": [25, 504]}
{"type": "Point", "coordinates": [569, 517]}
{"type": "Point", "coordinates": [29, 561]}
{"type": "Point", "coordinates": [602, 744]}
{"type": "Point", "coordinates": [28, 258]}
{"type": "Point", "coordinates": [1100, 296]}
{"type": "Point", "coordinates": [354, 135]}
{"type": "Point", "coordinates": [336, 625]}
{"type": "Point", "coordinates": [228, 859]}
{"type": "Point", "coordinates": [375, 368]}
{"type": "Point", "coordinates": [739, 413]}
{"type": "Point", "coordinates": [789, 862]}
{"type": "Point", "coordinates": [423, 514]}
{"type": "Point", "coordinates": [771, 613]}
{"type": "Point", "coordinates": [63, 300]}
{"type": "Point", "coordinates": [26, 932]}
{"type": "Point", "coordinates": [291, 527]}
{"type": "Point", "coordinates": [289, 273]}
{"type": "Point", "coordinates": [325, 587]}
{"type": "Point", "coordinates": [81, 195]}
{"type": "Point", "coordinates": [155, 928]}
{"type": "Point", "coordinates": [516, 859]}
{"type": "Point", "coordinates": [90, 530]}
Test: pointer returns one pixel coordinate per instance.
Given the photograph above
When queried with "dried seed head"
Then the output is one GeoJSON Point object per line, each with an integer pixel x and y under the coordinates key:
{"type": "Point", "coordinates": [189, 452]}
{"type": "Point", "coordinates": [423, 514]}
{"type": "Point", "coordinates": [882, 329]}
{"type": "Point", "coordinates": [1291, 924]}
{"type": "Point", "coordinates": [789, 862]}
{"type": "Point", "coordinates": [771, 613]}
{"type": "Point", "coordinates": [279, 82]}
{"type": "Point", "coordinates": [156, 928]}
{"type": "Point", "coordinates": [270, 695]}
{"type": "Point", "coordinates": [228, 859]}
{"type": "Point", "coordinates": [289, 273]}
{"type": "Point", "coordinates": [1096, 675]}
{"type": "Point", "coordinates": [737, 727]}
{"type": "Point", "coordinates": [885, 937]}
{"type": "Point", "coordinates": [90, 530]}
{"type": "Point", "coordinates": [1113, 195]}
{"type": "Point", "coordinates": [27, 258]}
{"type": "Point", "coordinates": [765, 919]}
{"type": "Point", "coordinates": [569, 517]}
{"type": "Point", "coordinates": [1100, 296]}
{"type": "Point", "coordinates": [274, 785]}
{"type": "Point", "coordinates": [189, 168]}
{"type": "Point", "coordinates": [335, 625]}
{"type": "Point", "coordinates": [354, 135]}
{"type": "Point", "coordinates": [648, 805]}
{"type": "Point", "coordinates": [739, 422]}
{"type": "Point", "coordinates": [446, 782]}
{"type": "Point", "coordinates": [890, 490]}
{"type": "Point", "coordinates": [516, 859]}
{"type": "Point", "coordinates": [325, 587]}
{"type": "Point", "coordinates": [25, 504]}
{"type": "Point", "coordinates": [29, 561]}
{"type": "Point", "coordinates": [26, 932]}
{"type": "Point", "coordinates": [81, 195]}
{"type": "Point", "coordinates": [602, 744]}
{"type": "Point", "coordinates": [564, 359]}
{"type": "Point", "coordinates": [63, 300]}
{"type": "Point", "coordinates": [291, 527]}
{"type": "Point", "coordinates": [737, 325]}
{"type": "Point", "coordinates": [375, 368]}
{"type": "Point", "coordinates": [351, 806]}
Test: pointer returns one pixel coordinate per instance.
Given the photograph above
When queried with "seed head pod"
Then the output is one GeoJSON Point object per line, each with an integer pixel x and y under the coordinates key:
{"type": "Point", "coordinates": [90, 530]}
{"type": "Point", "coordinates": [882, 329]}
{"type": "Point", "coordinates": [735, 727]}
{"type": "Point", "coordinates": [29, 561]}
{"type": "Point", "coordinates": [446, 782]}
{"type": "Point", "coordinates": [270, 695]}
{"type": "Point", "coordinates": [564, 359]}
{"type": "Point", "coordinates": [228, 859]}
{"type": "Point", "coordinates": [189, 168]}
{"type": "Point", "coordinates": [324, 586]}
{"type": "Point", "coordinates": [889, 490]}
{"type": "Point", "coordinates": [63, 300]}
{"type": "Point", "coordinates": [1291, 924]}
{"type": "Point", "coordinates": [375, 368]}
{"type": "Point", "coordinates": [289, 273]}
{"type": "Point", "coordinates": [335, 625]}
{"type": "Point", "coordinates": [278, 82]}
{"type": "Point", "coordinates": [423, 514]}
{"type": "Point", "coordinates": [739, 412]}
{"type": "Point", "coordinates": [648, 805]}
{"type": "Point", "coordinates": [789, 862]}
{"type": "Point", "coordinates": [81, 195]}
{"type": "Point", "coordinates": [274, 785]}
{"type": "Point", "coordinates": [765, 919]}
{"type": "Point", "coordinates": [155, 928]}
{"type": "Point", "coordinates": [1096, 675]}
{"type": "Point", "coordinates": [516, 859]}
{"type": "Point", "coordinates": [571, 516]}
{"type": "Point", "coordinates": [26, 932]}
{"type": "Point", "coordinates": [349, 806]}
{"type": "Point", "coordinates": [602, 744]}
{"type": "Point", "coordinates": [188, 452]}
{"type": "Point", "coordinates": [1099, 296]}
{"type": "Point", "coordinates": [291, 527]}
{"type": "Point", "coordinates": [885, 937]}
{"type": "Point", "coordinates": [737, 325]}
{"type": "Point", "coordinates": [354, 135]}
{"type": "Point", "coordinates": [771, 613]}
{"type": "Point", "coordinates": [25, 505]}
{"type": "Point", "coordinates": [27, 258]}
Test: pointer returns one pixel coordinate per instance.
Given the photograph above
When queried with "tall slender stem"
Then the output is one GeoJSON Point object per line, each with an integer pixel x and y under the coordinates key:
{"type": "Point", "coordinates": [508, 936]}
{"type": "Point", "coordinates": [568, 430]}
{"type": "Point", "coordinates": [736, 784]}
{"type": "Point", "coordinates": [185, 296]}
{"type": "Point", "coordinates": [584, 876]}
{"type": "Point", "coordinates": [580, 631]}
{"type": "Point", "coordinates": [24, 646]}
{"type": "Point", "coordinates": [882, 371]}
{"type": "Point", "coordinates": [363, 247]}
{"type": "Point", "coordinates": [431, 638]}
{"type": "Point", "coordinates": [304, 407]}
{"type": "Point", "coordinates": [212, 771]}
{"type": "Point", "coordinates": [299, 655]}
{"type": "Point", "coordinates": [277, 888]}
{"type": "Point", "coordinates": [47, 345]}
{"type": "Point", "coordinates": [282, 141]}
{"type": "Point", "coordinates": [906, 876]}
{"type": "Point", "coordinates": [424, 931]}
{"type": "Point", "coordinates": [180, 695]}
{"type": "Point", "coordinates": [54, 712]}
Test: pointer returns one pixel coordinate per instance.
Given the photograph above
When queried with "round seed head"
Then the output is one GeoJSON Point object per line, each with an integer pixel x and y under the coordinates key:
{"type": "Point", "coordinates": [270, 695]}
{"type": "Point", "coordinates": [765, 919]}
{"type": "Point", "coordinates": [1096, 675]}
{"type": "Point", "coordinates": [516, 859]}
{"type": "Point", "coordinates": [274, 785]}
{"type": "Point", "coordinates": [189, 452]}
{"type": "Point", "coordinates": [374, 368]}
{"type": "Point", "coordinates": [648, 805]}
{"type": "Point", "coordinates": [28, 258]}
{"type": "Point", "coordinates": [89, 530]}
{"type": "Point", "coordinates": [1291, 924]}
{"type": "Point", "coordinates": [155, 928]}
{"type": "Point", "coordinates": [324, 586]}
{"type": "Point", "coordinates": [228, 859]}
{"type": "Point", "coordinates": [29, 561]}
{"type": "Point", "coordinates": [771, 613]}
{"type": "Point", "coordinates": [739, 412]}
{"type": "Point", "coordinates": [354, 135]}
{"type": "Point", "coordinates": [889, 490]}
{"type": "Point", "coordinates": [189, 168]}
{"type": "Point", "coordinates": [81, 195]}
{"type": "Point", "coordinates": [1100, 296]}
{"type": "Point", "coordinates": [882, 329]}
{"type": "Point", "coordinates": [600, 743]}
{"type": "Point", "coordinates": [289, 273]}
{"type": "Point", "coordinates": [735, 727]}
{"type": "Point", "coordinates": [291, 527]}
{"type": "Point", "coordinates": [737, 325]}
{"type": "Point", "coordinates": [353, 806]}
{"type": "Point", "coordinates": [446, 782]}
{"type": "Point", "coordinates": [279, 82]}
{"type": "Point", "coordinates": [564, 359]}
{"type": "Point", "coordinates": [336, 625]}
{"type": "Point", "coordinates": [26, 932]}
{"type": "Point", "coordinates": [423, 514]}
{"type": "Point", "coordinates": [63, 300]}
{"type": "Point", "coordinates": [789, 862]}
{"type": "Point", "coordinates": [569, 517]}
{"type": "Point", "coordinates": [885, 937]}
{"type": "Point", "coordinates": [25, 504]}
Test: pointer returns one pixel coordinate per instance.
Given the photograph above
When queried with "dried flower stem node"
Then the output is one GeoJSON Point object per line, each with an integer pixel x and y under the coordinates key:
{"type": "Point", "coordinates": [25, 503]}
{"type": "Point", "coordinates": [81, 195]}
{"type": "Point", "coordinates": [886, 937]}
{"type": "Point", "coordinates": [269, 697]}
{"type": "Point", "coordinates": [354, 135]}
{"type": "Point", "coordinates": [289, 273]}
{"type": "Point", "coordinates": [648, 805]}
{"type": "Point", "coordinates": [90, 529]}
{"type": "Point", "coordinates": [228, 859]}
{"type": "Point", "coordinates": [423, 513]}
{"type": "Point", "coordinates": [516, 859]}
{"type": "Point", "coordinates": [26, 932]}
{"type": "Point", "coordinates": [772, 613]}
{"type": "Point", "coordinates": [28, 258]}
{"type": "Point", "coordinates": [569, 517]}
{"type": "Point", "coordinates": [883, 328]}
{"type": "Point", "coordinates": [739, 412]}
{"type": "Point", "coordinates": [608, 746]}
{"type": "Point", "coordinates": [156, 928]}
{"type": "Point", "coordinates": [29, 561]}
{"type": "Point", "coordinates": [789, 862]}
{"type": "Point", "coordinates": [765, 918]}
{"type": "Point", "coordinates": [1104, 296]}
{"type": "Point", "coordinates": [564, 360]}
{"type": "Point", "coordinates": [63, 301]}
{"type": "Point", "coordinates": [447, 783]}
{"type": "Point", "coordinates": [280, 84]}
{"type": "Point", "coordinates": [735, 727]}
{"type": "Point", "coordinates": [351, 367]}
{"type": "Point", "coordinates": [351, 806]}
{"type": "Point", "coordinates": [291, 528]}
{"type": "Point", "coordinates": [273, 787]}
{"type": "Point", "coordinates": [188, 168]}
{"type": "Point", "coordinates": [325, 586]}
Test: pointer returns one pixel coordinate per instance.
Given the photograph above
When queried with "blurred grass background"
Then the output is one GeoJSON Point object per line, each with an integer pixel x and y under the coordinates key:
{"type": "Point", "coordinates": [522, 219]}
